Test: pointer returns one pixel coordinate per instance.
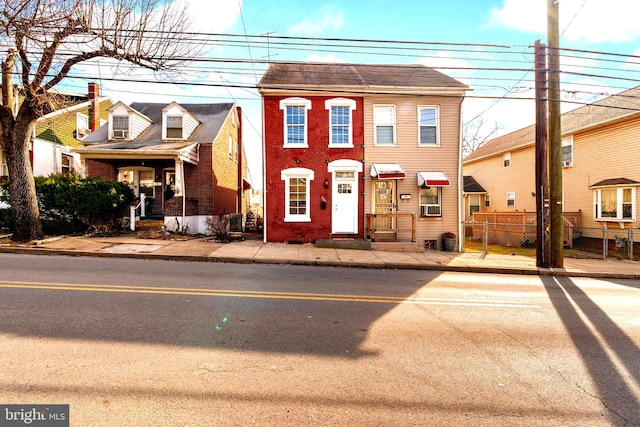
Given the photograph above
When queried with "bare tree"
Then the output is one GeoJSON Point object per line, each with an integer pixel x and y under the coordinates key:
{"type": "Point", "coordinates": [43, 40]}
{"type": "Point", "coordinates": [476, 133]}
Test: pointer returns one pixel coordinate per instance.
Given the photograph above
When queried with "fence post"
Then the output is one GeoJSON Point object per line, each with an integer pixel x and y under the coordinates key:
{"type": "Point", "coordinates": [630, 248]}
{"type": "Point", "coordinates": [605, 242]}
{"type": "Point", "coordinates": [485, 237]}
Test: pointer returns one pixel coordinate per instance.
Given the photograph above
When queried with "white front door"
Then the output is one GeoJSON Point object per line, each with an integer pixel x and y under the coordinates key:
{"type": "Point", "coordinates": [344, 218]}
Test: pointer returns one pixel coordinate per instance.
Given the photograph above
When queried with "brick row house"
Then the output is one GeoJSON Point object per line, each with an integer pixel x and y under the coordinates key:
{"type": "Point", "coordinates": [187, 159]}
{"type": "Point", "coordinates": [348, 149]}
{"type": "Point", "coordinates": [600, 176]}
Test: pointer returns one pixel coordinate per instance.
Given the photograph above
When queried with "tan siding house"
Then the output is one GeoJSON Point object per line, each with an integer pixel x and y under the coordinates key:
{"type": "Point", "coordinates": [600, 165]}
{"type": "Point", "coordinates": [441, 157]}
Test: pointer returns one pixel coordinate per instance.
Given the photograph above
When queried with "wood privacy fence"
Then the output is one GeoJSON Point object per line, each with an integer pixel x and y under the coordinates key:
{"type": "Point", "coordinates": [518, 228]}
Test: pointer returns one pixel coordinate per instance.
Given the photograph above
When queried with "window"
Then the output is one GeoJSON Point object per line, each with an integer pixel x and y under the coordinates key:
{"type": "Point", "coordinates": [120, 126]}
{"type": "Point", "coordinates": [4, 170]}
{"type": "Point", "coordinates": [230, 147]}
{"type": "Point", "coordinates": [297, 183]}
{"type": "Point", "coordinates": [340, 121]}
{"type": "Point", "coordinates": [615, 203]}
{"type": "Point", "coordinates": [66, 164]}
{"type": "Point", "coordinates": [82, 126]}
{"type": "Point", "coordinates": [474, 203]}
{"type": "Point", "coordinates": [295, 121]}
{"type": "Point", "coordinates": [506, 160]}
{"type": "Point", "coordinates": [487, 201]}
{"type": "Point", "coordinates": [567, 152]}
{"type": "Point", "coordinates": [384, 120]}
{"type": "Point", "coordinates": [174, 127]}
{"type": "Point", "coordinates": [511, 199]}
{"type": "Point", "coordinates": [430, 201]}
{"type": "Point", "coordinates": [428, 126]}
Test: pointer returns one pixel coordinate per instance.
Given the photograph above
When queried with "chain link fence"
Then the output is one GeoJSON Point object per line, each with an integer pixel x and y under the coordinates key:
{"type": "Point", "coordinates": [606, 241]}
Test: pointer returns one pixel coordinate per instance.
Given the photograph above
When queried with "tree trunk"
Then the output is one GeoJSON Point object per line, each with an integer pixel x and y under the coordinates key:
{"type": "Point", "coordinates": [16, 135]}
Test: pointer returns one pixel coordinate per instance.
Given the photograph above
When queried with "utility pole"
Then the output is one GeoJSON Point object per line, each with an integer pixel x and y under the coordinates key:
{"type": "Point", "coordinates": [542, 158]}
{"type": "Point", "coordinates": [555, 136]}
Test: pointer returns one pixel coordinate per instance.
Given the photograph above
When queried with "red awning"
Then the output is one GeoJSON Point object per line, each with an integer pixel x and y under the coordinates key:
{"type": "Point", "coordinates": [388, 171]}
{"type": "Point", "coordinates": [433, 179]}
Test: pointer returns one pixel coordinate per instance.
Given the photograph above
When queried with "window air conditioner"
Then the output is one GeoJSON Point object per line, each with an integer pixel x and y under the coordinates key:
{"type": "Point", "coordinates": [120, 133]}
{"type": "Point", "coordinates": [430, 210]}
{"type": "Point", "coordinates": [566, 163]}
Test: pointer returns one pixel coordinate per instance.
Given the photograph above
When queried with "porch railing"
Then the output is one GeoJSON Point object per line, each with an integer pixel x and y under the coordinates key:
{"type": "Point", "coordinates": [383, 224]}
{"type": "Point", "coordinates": [133, 209]}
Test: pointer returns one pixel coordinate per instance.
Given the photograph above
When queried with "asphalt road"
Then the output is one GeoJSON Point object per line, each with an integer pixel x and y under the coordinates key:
{"type": "Point", "coordinates": [130, 342]}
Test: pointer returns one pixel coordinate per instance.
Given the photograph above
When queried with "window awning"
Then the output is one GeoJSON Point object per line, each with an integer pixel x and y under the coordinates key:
{"type": "Point", "coordinates": [388, 171]}
{"type": "Point", "coordinates": [433, 179]}
{"type": "Point", "coordinates": [615, 182]}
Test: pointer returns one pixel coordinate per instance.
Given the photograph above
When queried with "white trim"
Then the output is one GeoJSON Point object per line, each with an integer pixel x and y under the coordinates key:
{"type": "Point", "coordinates": [514, 198]}
{"type": "Point", "coordinates": [437, 125]}
{"type": "Point", "coordinates": [393, 125]}
{"type": "Point", "coordinates": [597, 204]}
{"type": "Point", "coordinates": [286, 175]}
{"type": "Point", "coordinates": [341, 102]}
{"type": "Point", "coordinates": [295, 102]}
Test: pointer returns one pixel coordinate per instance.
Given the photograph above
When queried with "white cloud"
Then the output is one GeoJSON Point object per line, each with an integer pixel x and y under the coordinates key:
{"type": "Point", "coordinates": [325, 18]}
{"type": "Point", "coordinates": [453, 67]}
{"type": "Point", "coordinates": [594, 21]}
{"type": "Point", "coordinates": [211, 16]}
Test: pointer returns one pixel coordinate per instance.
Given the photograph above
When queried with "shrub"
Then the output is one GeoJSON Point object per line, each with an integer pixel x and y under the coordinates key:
{"type": "Point", "coordinates": [71, 204]}
{"type": "Point", "coordinates": [218, 226]}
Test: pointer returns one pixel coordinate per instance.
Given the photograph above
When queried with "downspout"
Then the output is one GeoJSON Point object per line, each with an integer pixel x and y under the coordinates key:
{"type": "Point", "coordinates": [460, 183]}
{"type": "Point", "coordinates": [240, 160]}
{"type": "Point", "coordinates": [184, 193]}
{"type": "Point", "coordinates": [264, 177]}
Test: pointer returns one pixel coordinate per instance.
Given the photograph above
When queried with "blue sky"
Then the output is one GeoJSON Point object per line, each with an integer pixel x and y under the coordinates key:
{"type": "Point", "coordinates": [591, 25]}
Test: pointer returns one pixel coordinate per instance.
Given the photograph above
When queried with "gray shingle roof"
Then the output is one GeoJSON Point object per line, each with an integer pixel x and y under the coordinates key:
{"type": "Point", "coordinates": [610, 109]}
{"type": "Point", "coordinates": [210, 116]}
{"type": "Point", "coordinates": [471, 185]}
{"type": "Point", "coordinates": [357, 76]}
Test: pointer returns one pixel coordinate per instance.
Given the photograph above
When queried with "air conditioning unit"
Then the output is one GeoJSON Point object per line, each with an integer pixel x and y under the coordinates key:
{"type": "Point", "coordinates": [430, 210]}
{"type": "Point", "coordinates": [120, 133]}
{"type": "Point", "coordinates": [82, 132]}
{"type": "Point", "coordinates": [566, 163]}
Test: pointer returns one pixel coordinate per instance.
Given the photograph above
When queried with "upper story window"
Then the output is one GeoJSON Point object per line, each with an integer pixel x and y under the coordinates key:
{"type": "Point", "coordinates": [428, 131]}
{"type": "Point", "coordinates": [174, 127]}
{"type": "Point", "coordinates": [340, 122]}
{"type": "Point", "coordinates": [615, 203]}
{"type": "Point", "coordinates": [295, 121]}
{"type": "Point", "coordinates": [120, 126]}
{"type": "Point", "coordinates": [384, 122]}
{"type": "Point", "coordinates": [506, 160]}
{"type": "Point", "coordinates": [567, 151]}
{"type": "Point", "coordinates": [82, 126]}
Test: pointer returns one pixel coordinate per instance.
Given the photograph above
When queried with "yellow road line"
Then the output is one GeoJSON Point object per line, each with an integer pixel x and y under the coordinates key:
{"type": "Point", "coordinates": [258, 294]}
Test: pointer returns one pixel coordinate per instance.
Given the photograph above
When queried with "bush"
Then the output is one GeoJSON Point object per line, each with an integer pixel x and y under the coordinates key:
{"type": "Point", "coordinates": [218, 226]}
{"type": "Point", "coordinates": [70, 204]}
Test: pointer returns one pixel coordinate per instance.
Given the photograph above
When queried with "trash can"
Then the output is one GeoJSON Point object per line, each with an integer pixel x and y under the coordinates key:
{"type": "Point", "coordinates": [235, 223]}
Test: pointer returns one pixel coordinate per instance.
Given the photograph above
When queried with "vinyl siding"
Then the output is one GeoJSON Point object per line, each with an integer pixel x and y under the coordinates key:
{"type": "Point", "coordinates": [414, 159]}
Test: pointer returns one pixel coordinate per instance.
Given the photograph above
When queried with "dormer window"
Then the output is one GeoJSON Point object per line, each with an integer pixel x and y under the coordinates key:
{"type": "Point", "coordinates": [120, 127]}
{"type": "Point", "coordinates": [174, 127]}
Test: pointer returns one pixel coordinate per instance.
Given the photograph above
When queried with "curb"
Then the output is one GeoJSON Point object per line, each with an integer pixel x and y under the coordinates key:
{"type": "Point", "coordinates": [320, 263]}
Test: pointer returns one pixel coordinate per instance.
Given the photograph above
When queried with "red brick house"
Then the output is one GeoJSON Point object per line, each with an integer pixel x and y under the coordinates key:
{"type": "Point", "coordinates": [348, 144]}
{"type": "Point", "coordinates": [313, 160]}
{"type": "Point", "coordinates": [186, 158]}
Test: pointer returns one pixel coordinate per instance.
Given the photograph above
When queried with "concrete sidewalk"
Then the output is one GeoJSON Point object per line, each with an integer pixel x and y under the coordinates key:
{"type": "Point", "coordinates": [256, 251]}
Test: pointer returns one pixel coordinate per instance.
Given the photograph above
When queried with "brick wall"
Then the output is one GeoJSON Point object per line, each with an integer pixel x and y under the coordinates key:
{"type": "Point", "coordinates": [102, 170]}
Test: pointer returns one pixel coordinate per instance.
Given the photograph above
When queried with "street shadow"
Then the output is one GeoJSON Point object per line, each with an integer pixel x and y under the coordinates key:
{"type": "Point", "coordinates": [610, 356]}
{"type": "Point", "coordinates": [265, 308]}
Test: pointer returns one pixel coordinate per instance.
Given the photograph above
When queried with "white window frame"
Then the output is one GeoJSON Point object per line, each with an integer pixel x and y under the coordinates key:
{"type": "Point", "coordinates": [477, 198]}
{"type": "Point", "coordinates": [286, 175]}
{"type": "Point", "coordinates": [436, 125]}
{"type": "Point", "coordinates": [506, 160]}
{"type": "Point", "coordinates": [340, 102]}
{"type": "Point", "coordinates": [567, 142]}
{"type": "Point", "coordinates": [82, 126]}
{"type": "Point", "coordinates": [620, 203]}
{"type": "Point", "coordinates": [425, 207]}
{"type": "Point", "coordinates": [296, 102]}
{"type": "Point", "coordinates": [4, 169]}
{"type": "Point", "coordinates": [487, 200]}
{"type": "Point", "coordinates": [230, 147]}
{"type": "Point", "coordinates": [114, 128]}
{"type": "Point", "coordinates": [166, 126]}
{"type": "Point", "coordinates": [378, 121]}
{"type": "Point", "coordinates": [511, 197]}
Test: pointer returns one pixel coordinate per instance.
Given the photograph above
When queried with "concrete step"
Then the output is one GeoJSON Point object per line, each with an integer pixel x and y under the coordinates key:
{"type": "Point", "coordinates": [343, 243]}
